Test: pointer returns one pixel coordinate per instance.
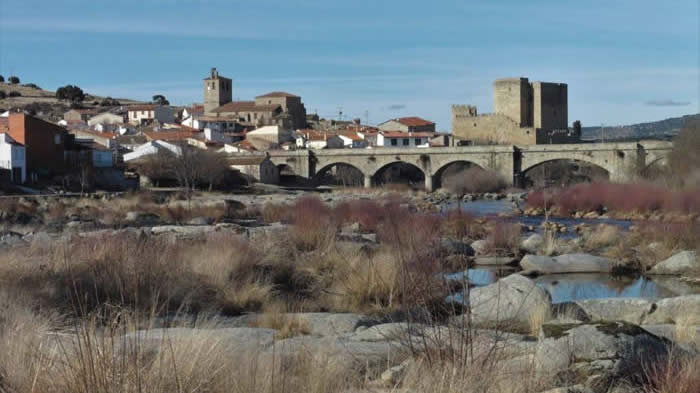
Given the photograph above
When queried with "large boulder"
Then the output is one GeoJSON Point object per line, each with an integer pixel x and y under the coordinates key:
{"type": "Point", "coordinates": [567, 263]}
{"type": "Point", "coordinates": [453, 247]}
{"type": "Point", "coordinates": [494, 261]}
{"type": "Point", "coordinates": [532, 243]}
{"type": "Point", "coordinates": [480, 247]}
{"type": "Point", "coordinates": [681, 263]}
{"type": "Point", "coordinates": [509, 301]}
{"type": "Point", "coordinates": [608, 351]}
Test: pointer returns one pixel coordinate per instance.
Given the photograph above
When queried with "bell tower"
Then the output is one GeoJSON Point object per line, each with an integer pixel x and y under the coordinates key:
{"type": "Point", "coordinates": [218, 91]}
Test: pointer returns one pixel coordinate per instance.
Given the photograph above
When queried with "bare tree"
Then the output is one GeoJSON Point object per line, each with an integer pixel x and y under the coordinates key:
{"type": "Point", "coordinates": [157, 166]}
{"type": "Point", "coordinates": [213, 167]}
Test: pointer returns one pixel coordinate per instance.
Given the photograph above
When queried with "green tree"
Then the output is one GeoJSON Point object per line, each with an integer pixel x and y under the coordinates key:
{"type": "Point", "coordinates": [160, 100]}
{"type": "Point", "coordinates": [13, 80]}
{"type": "Point", "coordinates": [3, 95]}
{"type": "Point", "coordinates": [70, 93]}
{"type": "Point", "coordinates": [2, 78]}
{"type": "Point", "coordinates": [15, 93]}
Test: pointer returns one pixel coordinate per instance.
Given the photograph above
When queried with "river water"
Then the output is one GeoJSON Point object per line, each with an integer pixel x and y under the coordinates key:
{"type": "Point", "coordinates": [570, 287]}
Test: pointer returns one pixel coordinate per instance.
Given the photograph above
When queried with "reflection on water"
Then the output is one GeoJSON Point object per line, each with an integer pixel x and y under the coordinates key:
{"type": "Point", "coordinates": [482, 276]}
{"type": "Point", "coordinates": [579, 286]}
{"type": "Point", "coordinates": [493, 208]}
{"type": "Point", "coordinates": [568, 287]}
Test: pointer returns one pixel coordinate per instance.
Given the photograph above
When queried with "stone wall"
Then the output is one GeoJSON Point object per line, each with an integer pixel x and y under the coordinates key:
{"type": "Point", "coordinates": [489, 129]}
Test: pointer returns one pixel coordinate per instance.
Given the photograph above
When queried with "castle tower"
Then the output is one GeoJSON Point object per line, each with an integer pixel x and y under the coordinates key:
{"type": "Point", "coordinates": [218, 91]}
{"type": "Point", "coordinates": [512, 98]}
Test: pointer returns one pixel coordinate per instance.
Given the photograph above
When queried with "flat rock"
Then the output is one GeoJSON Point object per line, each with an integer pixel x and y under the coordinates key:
{"type": "Point", "coordinates": [679, 309]}
{"type": "Point", "coordinates": [567, 263]}
{"type": "Point", "coordinates": [681, 263]}
{"type": "Point", "coordinates": [632, 310]}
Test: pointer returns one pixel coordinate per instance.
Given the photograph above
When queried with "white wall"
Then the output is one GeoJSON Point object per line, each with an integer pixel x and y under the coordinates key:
{"type": "Point", "coordinates": [12, 156]}
{"type": "Point", "coordinates": [412, 141]}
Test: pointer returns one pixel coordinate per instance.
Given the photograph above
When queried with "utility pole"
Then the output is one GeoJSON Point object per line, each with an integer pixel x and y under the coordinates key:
{"type": "Point", "coordinates": [340, 113]}
{"type": "Point", "coordinates": [366, 117]}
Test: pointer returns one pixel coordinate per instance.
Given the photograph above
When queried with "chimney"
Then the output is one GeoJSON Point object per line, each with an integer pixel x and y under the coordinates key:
{"type": "Point", "coordinates": [214, 73]}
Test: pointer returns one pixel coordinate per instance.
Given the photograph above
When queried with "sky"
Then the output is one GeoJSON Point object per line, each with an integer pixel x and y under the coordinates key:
{"type": "Point", "coordinates": [624, 61]}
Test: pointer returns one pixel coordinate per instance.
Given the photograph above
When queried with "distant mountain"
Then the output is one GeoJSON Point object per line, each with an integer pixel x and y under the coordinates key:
{"type": "Point", "coordinates": [662, 129]}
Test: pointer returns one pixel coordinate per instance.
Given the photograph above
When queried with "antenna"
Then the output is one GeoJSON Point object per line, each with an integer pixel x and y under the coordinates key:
{"type": "Point", "coordinates": [340, 113]}
{"type": "Point", "coordinates": [366, 117]}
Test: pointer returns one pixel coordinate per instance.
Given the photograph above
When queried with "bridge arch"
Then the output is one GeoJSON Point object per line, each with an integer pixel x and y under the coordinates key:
{"type": "Point", "coordinates": [412, 172]}
{"type": "Point", "coordinates": [576, 172]}
{"type": "Point", "coordinates": [606, 162]}
{"type": "Point", "coordinates": [459, 164]}
{"type": "Point", "coordinates": [323, 171]}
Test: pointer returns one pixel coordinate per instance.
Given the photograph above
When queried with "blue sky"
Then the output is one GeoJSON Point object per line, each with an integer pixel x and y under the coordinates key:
{"type": "Point", "coordinates": [625, 61]}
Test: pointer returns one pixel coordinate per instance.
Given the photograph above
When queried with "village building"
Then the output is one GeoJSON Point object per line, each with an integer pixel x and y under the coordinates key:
{"type": "Point", "coordinates": [399, 139]}
{"type": "Point", "coordinates": [352, 139]}
{"type": "Point", "coordinates": [13, 165]}
{"type": "Point", "coordinates": [256, 168]}
{"type": "Point", "coordinates": [79, 115]}
{"type": "Point", "coordinates": [277, 108]}
{"type": "Point", "coordinates": [152, 147]}
{"type": "Point", "coordinates": [265, 138]}
{"type": "Point", "coordinates": [106, 118]}
{"type": "Point", "coordinates": [45, 144]}
{"type": "Point", "coordinates": [149, 113]}
{"type": "Point", "coordinates": [407, 124]}
{"type": "Point", "coordinates": [104, 139]}
{"type": "Point", "coordinates": [243, 146]}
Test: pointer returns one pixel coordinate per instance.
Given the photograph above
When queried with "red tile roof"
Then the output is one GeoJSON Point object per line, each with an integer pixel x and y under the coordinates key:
{"type": "Point", "coordinates": [414, 121]}
{"type": "Point", "coordinates": [245, 106]}
{"type": "Point", "coordinates": [277, 94]}
{"type": "Point", "coordinates": [352, 135]}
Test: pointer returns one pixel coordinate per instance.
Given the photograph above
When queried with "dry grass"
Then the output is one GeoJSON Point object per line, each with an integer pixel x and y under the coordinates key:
{"type": "Point", "coordinates": [289, 325]}
{"type": "Point", "coordinates": [685, 332]}
{"type": "Point", "coordinates": [676, 373]}
{"type": "Point", "coordinates": [474, 180]}
{"type": "Point", "coordinates": [504, 238]}
{"type": "Point", "coordinates": [118, 357]}
{"type": "Point", "coordinates": [537, 317]}
{"type": "Point", "coordinates": [601, 236]}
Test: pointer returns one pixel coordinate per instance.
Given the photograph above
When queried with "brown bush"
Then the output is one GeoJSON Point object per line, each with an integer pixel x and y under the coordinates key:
{"type": "Point", "coordinates": [474, 180]}
{"type": "Point", "coordinates": [504, 238]}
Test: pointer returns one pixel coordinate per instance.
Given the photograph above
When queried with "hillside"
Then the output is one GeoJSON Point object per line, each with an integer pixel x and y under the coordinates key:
{"type": "Point", "coordinates": [662, 129]}
{"type": "Point", "coordinates": [44, 102]}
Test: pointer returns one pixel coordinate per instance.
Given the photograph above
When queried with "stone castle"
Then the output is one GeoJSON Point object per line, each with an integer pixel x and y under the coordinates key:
{"type": "Point", "coordinates": [525, 113]}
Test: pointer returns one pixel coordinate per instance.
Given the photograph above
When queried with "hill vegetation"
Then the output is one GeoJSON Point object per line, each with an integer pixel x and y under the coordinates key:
{"type": "Point", "coordinates": [662, 129]}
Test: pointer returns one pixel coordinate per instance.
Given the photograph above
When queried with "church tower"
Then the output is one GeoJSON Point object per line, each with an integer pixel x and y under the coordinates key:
{"type": "Point", "coordinates": [218, 91]}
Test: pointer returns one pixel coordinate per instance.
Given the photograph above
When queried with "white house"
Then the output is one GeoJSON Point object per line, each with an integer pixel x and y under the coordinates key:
{"type": "Point", "coordinates": [272, 134]}
{"type": "Point", "coordinates": [403, 139]}
{"type": "Point", "coordinates": [106, 118]}
{"type": "Point", "coordinates": [152, 147]}
{"type": "Point", "coordinates": [141, 114]}
{"type": "Point", "coordinates": [352, 139]}
{"type": "Point", "coordinates": [13, 158]}
{"type": "Point", "coordinates": [256, 168]}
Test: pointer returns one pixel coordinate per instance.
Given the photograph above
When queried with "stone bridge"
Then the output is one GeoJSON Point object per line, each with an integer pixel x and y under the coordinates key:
{"type": "Point", "coordinates": [620, 160]}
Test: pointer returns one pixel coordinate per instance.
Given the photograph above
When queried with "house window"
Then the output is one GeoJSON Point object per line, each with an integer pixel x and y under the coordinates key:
{"type": "Point", "coordinates": [405, 141]}
{"type": "Point", "coordinates": [418, 141]}
{"type": "Point", "coordinates": [57, 139]}
{"type": "Point", "coordinates": [394, 142]}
